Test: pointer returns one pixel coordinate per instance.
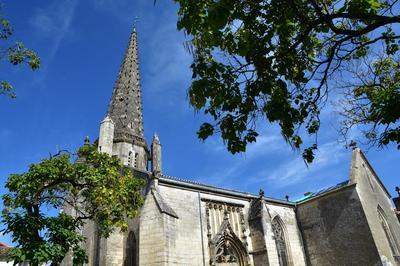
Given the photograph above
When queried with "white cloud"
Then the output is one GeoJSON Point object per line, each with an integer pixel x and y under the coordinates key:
{"type": "Point", "coordinates": [267, 144]}
{"type": "Point", "coordinates": [236, 167]}
{"type": "Point", "coordinates": [294, 171]}
{"type": "Point", "coordinates": [52, 24]}
{"type": "Point", "coordinates": [164, 60]}
{"type": "Point", "coordinates": [269, 141]}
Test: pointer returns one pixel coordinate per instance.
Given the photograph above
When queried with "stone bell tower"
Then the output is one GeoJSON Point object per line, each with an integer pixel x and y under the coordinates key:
{"type": "Point", "coordinates": [121, 132]}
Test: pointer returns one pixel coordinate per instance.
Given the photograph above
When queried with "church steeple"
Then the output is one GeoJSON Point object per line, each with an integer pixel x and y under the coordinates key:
{"type": "Point", "coordinates": [121, 132]}
{"type": "Point", "coordinates": [125, 108]}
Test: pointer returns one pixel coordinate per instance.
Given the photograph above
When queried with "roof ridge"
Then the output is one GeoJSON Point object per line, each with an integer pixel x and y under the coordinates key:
{"type": "Point", "coordinates": [322, 191]}
{"type": "Point", "coordinates": [202, 184]}
{"type": "Point", "coordinates": [221, 188]}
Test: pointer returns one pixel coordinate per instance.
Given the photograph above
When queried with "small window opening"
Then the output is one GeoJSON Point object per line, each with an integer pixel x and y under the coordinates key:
{"type": "Point", "coordinates": [136, 160]}
{"type": "Point", "coordinates": [130, 158]}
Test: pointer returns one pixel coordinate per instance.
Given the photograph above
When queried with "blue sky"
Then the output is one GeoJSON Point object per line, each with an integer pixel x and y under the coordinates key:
{"type": "Point", "coordinates": [81, 44]}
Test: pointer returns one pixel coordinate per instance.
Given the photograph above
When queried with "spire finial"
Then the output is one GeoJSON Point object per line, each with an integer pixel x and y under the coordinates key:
{"type": "Point", "coordinates": [155, 137]}
{"type": "Point", "coordinates": [135, 21]}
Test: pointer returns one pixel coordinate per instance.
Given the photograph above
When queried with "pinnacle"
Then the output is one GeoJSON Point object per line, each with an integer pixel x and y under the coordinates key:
{"type": "Point", "coordinates": [107, 119]}
{"type": "Point", "coordinates": [155, 138]}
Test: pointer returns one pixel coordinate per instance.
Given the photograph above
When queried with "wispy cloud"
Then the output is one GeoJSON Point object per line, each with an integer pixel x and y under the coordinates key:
{"type": "Point", "coordinates": [237, 167]}
{"type": "Point", "coordinates": [267, 144]}
{"type": "Point", "coordinates": [166, 69]}
{"type": "Point", "coordinates": [169, 60]}
{"type": "Point", "coordinates": [52, 24]}
{"type": "Point", "coordinates": [269, 141]}
{"type": "Point", "coordinates": [295, 171]}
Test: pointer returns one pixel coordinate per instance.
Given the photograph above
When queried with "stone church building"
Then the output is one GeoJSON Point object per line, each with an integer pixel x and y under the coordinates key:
{"type": "Point", "coordinates": [186, 223]}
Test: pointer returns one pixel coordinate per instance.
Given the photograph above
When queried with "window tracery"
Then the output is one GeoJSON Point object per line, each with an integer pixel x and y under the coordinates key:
{"type": "Point", "coordinates": [280, 241]}
{"type": "Point", "coordinates": [388, 232]}
{"type": "Point", "coordinates": [226, 234]}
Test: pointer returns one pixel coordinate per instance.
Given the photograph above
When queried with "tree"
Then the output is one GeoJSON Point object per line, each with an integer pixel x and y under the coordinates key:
{"type": "Point", "coordinates": [97, 187]}
{"type": "Point", "coordinates": [277, 61]}
{"type": "Point", "coordinates": [16, 53]}
{"type": "Point", "coordinates": [372, 99]}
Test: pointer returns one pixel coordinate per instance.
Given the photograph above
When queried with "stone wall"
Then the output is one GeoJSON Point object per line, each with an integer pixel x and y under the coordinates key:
{"type": "Point", "coordinates": [296, 254]}
{"type": "Point", "coordinates": [258, 220]}
{"type": "Point", "coordinates": [373, 196]}
{"type": "Point", "coordinates": [397, 205]}
{"type": "Point", "coordinates": [131, 155]}
{"type": "Point", "coordinates": [188, 241]}
{"type": "Point", "coordinates": [336, 231]}
{"type": "Point", "coordinates": [185, 240]}
{"type": "Point", "coordinates": [152, 246]}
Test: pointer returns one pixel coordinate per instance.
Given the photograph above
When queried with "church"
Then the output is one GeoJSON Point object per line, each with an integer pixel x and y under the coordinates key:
{"type": "Point", "coordinates": [186, 223]}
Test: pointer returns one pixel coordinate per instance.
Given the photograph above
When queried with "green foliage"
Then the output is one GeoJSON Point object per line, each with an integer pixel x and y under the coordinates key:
{"type": "Point", "coordinates": [273, 60]}
{"type": "Point", "coordinates": [96, 187]}
{"type": "Point", "coordinates": [16, 53]}
{"type": "Point", "coordinates": [376, 102]}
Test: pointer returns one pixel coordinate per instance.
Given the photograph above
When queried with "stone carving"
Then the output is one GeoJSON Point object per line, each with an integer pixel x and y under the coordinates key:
{"type": "Point", "coordinates": [226, 232]}
{"type": "Point", "coordinates": [226, 247]}
{"type": "Point", "coordinates": [255, 209]}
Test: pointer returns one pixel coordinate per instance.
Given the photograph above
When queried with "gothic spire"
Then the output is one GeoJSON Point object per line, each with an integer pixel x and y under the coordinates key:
{"type": "Point", "coordinates": [125, 108]}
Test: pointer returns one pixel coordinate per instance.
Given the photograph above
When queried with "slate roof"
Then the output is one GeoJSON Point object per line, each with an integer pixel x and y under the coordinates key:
{"type": "Point", "coordinates": [196, 185]}
{"type": "Point", "coordinates": [219, 190]}
{"type": "Point", "coordinates": [322, 191]}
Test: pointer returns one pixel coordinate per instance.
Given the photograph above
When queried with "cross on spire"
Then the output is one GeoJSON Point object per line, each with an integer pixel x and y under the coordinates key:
{"type": "Point", "coordinates": [135, 21]}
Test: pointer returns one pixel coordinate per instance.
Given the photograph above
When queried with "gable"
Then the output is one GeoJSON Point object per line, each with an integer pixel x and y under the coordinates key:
{"type": "Point", "coordinates": [361, 171]}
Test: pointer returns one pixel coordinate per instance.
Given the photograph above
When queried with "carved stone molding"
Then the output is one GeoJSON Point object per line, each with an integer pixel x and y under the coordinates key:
{"type": "Point", "coordinates": [226, 233]}
{"type": "Point", "coordinates": [226, 247]}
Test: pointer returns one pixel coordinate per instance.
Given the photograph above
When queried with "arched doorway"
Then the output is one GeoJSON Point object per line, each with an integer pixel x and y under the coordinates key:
{"type": "Point", "coordinates": [131, 258]}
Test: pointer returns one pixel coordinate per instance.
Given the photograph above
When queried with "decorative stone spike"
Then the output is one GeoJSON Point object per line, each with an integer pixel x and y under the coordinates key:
{"type": "Point", "coordinates": [156, 154]}
{"type": "Point", "coordinates": [87, 141]}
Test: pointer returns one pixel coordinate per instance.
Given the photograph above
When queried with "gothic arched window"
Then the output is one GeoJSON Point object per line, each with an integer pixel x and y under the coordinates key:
{"type": "Point", "coordinates": [131, 250]}
{"type": "Point", "coordinates": [388, 232]}
{"type": "Point", "coordinates": [280, 241]}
